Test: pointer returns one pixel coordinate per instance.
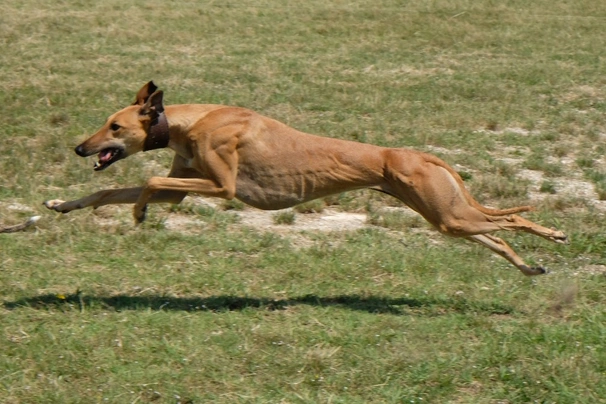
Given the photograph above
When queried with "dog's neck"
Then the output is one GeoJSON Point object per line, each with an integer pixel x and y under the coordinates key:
{"type": "Point", "coordinates": [158, 135]}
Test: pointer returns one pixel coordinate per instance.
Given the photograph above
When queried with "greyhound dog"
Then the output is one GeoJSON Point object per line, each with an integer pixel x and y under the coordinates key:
{"type": "Point", "coordinates": [231, 152]}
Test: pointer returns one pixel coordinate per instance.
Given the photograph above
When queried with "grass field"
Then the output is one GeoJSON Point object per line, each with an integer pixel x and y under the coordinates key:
{"type": "Point", "coordinates": [198, 305]}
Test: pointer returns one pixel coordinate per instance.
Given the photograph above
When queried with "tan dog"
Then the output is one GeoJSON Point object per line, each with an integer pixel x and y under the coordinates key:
{"type": "Point", "coordinates": [231, 152]}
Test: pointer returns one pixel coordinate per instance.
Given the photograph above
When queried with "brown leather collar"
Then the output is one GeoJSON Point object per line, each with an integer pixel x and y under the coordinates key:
{"type": "Point", "coordinates": [158, 135]}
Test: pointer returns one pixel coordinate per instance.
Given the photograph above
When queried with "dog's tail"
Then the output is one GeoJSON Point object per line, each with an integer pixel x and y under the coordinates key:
{"type": "Point", "coordinates": [502, 212]}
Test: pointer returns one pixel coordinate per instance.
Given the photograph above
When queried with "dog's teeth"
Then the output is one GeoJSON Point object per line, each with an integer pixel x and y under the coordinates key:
{"type": "Point", "coordinates": [97, 165]}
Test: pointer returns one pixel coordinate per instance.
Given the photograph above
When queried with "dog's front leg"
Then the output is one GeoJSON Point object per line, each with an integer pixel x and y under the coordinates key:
{"type": "Point", "coordinates": [158, 185]}
{"type": "Point", "coordinates": [112, 197]}
{"type": "Point", "coordinates": [100, 198]}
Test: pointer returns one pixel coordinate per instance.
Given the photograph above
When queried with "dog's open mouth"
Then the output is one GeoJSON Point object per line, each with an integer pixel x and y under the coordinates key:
{"type": "Point", "coordinates": [107, 157]}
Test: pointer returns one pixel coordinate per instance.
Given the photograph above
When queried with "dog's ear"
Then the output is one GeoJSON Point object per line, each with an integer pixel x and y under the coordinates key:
{"type": "Point", "coordinates": [152, 107]}
{"type": "Point", "coordinates": [144, 93]}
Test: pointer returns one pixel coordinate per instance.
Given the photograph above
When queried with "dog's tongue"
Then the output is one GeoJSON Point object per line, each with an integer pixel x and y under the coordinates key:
{"type": "Point", "coordinates": [105, 155]}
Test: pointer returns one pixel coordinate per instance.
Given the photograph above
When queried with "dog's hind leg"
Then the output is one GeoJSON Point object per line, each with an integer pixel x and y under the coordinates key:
{"type": "Point", "coordinates": [435, 190]}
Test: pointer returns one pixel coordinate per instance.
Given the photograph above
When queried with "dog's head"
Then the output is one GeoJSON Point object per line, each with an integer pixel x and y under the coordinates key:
{"type": "Point", "coordinates": [128, 131]}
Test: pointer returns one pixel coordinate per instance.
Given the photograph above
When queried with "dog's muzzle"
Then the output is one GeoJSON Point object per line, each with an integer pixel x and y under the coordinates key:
{"type": "Point", "coordinates": [80, 151]}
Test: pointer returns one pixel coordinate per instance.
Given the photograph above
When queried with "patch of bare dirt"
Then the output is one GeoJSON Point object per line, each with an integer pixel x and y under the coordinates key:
{"type": "Point", "coordinates": [573, 184]}
{"type": "Point", "coordinates": [570, 187]}
{"type": "Point", "coordinates": [514, 130]}
{"type": "Point", "coordinates": [592, 270]}
{"type": "Point", "coordinates": [328, 220]}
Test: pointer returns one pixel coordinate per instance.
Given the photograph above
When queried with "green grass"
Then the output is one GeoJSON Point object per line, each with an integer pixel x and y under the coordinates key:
{"type": "Point", "coordinates": [284, 217]}
{"type": "Point", "coordinates": [96, 310]}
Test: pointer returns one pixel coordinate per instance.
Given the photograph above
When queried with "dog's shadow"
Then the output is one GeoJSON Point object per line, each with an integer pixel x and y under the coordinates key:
{"type": "Point", "coordinates": [423, 305]}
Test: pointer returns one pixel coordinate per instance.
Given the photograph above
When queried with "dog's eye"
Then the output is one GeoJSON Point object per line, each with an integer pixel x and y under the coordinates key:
{"type": "Point", "coordinates": [114, 126]}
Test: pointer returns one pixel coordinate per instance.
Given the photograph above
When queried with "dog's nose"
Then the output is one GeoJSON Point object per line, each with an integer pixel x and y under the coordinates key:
{"type": "Point", "coordinates": [80, 151]}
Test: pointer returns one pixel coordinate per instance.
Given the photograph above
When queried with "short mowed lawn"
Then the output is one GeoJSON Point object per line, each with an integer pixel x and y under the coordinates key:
{"type": "Point", "coordinates": [211, 309]}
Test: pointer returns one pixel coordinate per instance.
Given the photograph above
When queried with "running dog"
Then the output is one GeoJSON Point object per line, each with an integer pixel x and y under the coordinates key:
{"type": "Point", "coordinates": [231, 152]}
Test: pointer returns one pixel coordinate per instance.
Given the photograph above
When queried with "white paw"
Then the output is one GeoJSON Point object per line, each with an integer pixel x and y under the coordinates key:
{"type": "Point", "coordinates": [54, 204]}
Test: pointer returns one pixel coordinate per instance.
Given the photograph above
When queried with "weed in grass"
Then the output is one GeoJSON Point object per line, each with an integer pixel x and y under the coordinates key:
{"type": "Point", "coordinates": [395, 219]}
{"type": "Point", "coordinates": [600, 188]}
{"type": "Point", "coordinates": [351, 201]}
{"type": "Point", "coordinates": [550, 136]}
{"type": "Point", "coordinates": [315, 206]}
{"type": "Point", "coordinates": [232, 204]}
{"type": "Point", "coordinates": [561, 150]}
{"type": "Point", "coordinates": [503, 169]}
{"type": "Point", "coordinates": [216, 217]}
{"type": "Point", "coordinates": [598, 177]}
{"type": "Point", "coordinates": [563, 203]}
{"type": "Point", "coordinates": [284, 217]}
{"type": "Point", "coordinates": [547, 187]}
{"type": "Point", "coordinates": [59, 119]}
{"type": "Point", "coordinates": [491, 186]}
{"type": "Point", "coordinates": [585, 162]}
{"type": "Point", "coordinates": [465, 176]}
{"type": "Point", "coordinates": [537, 161]}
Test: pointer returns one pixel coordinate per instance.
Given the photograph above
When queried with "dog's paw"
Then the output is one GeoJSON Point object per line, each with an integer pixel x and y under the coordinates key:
{"type": "Point", "coordinates": [560, 238]}
{"type": "Point", "coordinates": [533, 271]}
{"type": "Point", "coordinates": [139, 214]}
{"type": "Point", "coordinates": [55, 204]}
